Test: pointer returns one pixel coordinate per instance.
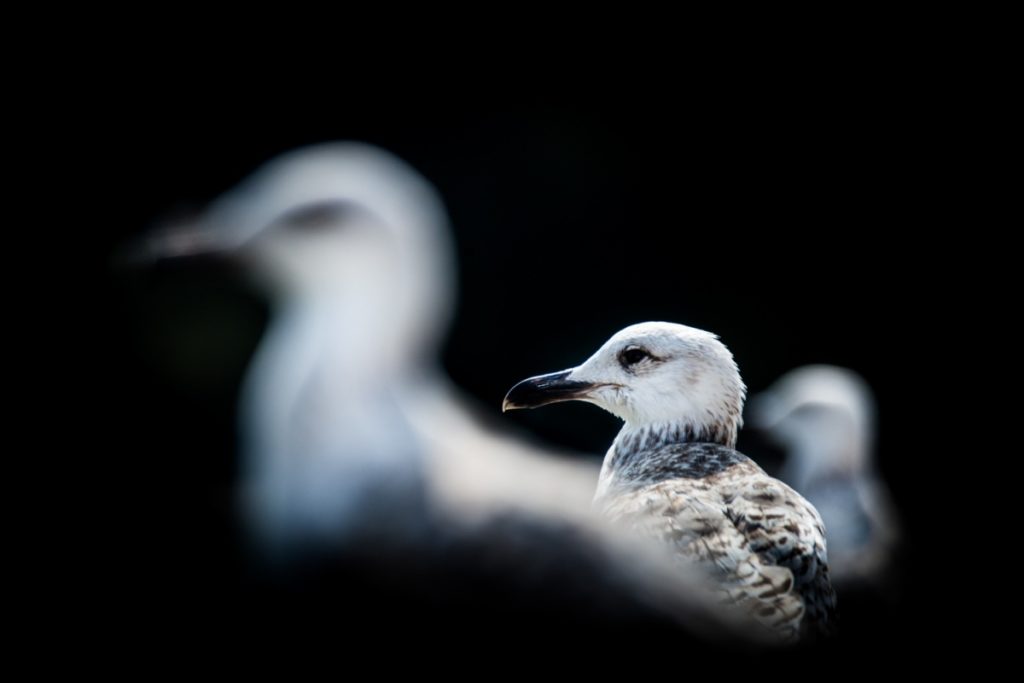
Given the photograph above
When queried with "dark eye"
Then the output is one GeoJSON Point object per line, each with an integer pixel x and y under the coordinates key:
{"type": "Point", "coordinates": [316, 217]}
{"type": "Point", "coordinates": [632, 356]}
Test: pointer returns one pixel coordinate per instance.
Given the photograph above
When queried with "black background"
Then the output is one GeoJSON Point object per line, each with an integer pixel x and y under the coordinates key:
{"type": "Point", "coordinates": [769, 214]}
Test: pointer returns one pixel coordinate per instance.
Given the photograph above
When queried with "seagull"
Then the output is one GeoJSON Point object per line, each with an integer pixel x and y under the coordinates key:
{"type": "Point", "coordinates": [824, 416]}
{"type": "Point", "coordinates": [349, 424]}
{"type": "Point", "coordinates": [672, 473]}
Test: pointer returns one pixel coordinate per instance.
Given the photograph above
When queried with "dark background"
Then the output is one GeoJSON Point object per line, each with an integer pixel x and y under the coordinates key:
{"type": "Point", "coordinates": [771, 216]}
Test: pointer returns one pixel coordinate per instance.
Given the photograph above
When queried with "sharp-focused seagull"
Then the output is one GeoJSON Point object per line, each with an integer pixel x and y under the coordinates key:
{"type": "Point", "coordinates": [672, 473]}
{"type": "Point", "coordinates": [824, 416]}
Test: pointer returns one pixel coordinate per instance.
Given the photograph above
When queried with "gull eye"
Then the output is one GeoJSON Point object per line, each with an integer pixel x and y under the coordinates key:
{"type": "Point", "coordinates": [317, 217]}
{"type": "Point", "coordinates": [632, 356]}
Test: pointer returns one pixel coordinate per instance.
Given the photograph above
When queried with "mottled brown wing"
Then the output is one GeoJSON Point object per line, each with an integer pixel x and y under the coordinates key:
{"type": "Point", "coordinates": [694, 520]}
{"type": "Point", "coordinates": [785, 530]}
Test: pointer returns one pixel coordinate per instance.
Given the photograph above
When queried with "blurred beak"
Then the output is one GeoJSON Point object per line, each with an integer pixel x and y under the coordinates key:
{"type": "Point", "coordinates": [763, 412]}
{"type": "Point", "coordinates": [544, 389]}
{"type": "Point", "coordinates": [186, 241]}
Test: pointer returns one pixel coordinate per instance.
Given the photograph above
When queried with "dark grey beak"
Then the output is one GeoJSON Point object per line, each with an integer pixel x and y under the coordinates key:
{"type": "Point", "coordinates": [544, 389]}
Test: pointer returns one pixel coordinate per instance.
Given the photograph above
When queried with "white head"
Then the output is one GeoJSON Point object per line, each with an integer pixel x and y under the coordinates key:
{"type": "Point", "coordinates": [823, 414]}
{"type": "Point", "coordinates": [653, 373]}
{"type": "Point", "coordinates": [343, 227]}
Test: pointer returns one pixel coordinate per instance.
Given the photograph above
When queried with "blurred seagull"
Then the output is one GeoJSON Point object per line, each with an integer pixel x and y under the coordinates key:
{"type": "Point", "coordinates": [348, 421]}
{"type": "Point", "coordinates": [825, 417]}
{"type": "Point", "coordinates": [672, 473]}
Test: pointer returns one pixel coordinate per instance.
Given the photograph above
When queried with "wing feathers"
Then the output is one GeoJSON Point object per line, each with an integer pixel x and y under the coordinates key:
{"type": "Point", "coordinates": [760, 544]}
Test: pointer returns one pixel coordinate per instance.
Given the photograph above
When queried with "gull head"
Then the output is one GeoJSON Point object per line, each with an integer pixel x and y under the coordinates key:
{"type": "Point", "coordinates": [822, 414]}
{"type": "Point", "coordinates": [344, 229]}
{"type": "Point", "coordinates": [653, 373]}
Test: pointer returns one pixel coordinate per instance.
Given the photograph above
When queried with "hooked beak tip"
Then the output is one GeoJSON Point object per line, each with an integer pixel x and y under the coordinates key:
{"type": "Point", "coordinates": [544, 389]}
{"type": "Point", "coordinates": [507, 405]}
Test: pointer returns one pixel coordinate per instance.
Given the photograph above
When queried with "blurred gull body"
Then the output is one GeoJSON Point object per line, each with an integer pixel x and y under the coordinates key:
{"type": "Point", "coordinates": [672, 472]}
{"type": "Point", "coordinates": [825, 418]}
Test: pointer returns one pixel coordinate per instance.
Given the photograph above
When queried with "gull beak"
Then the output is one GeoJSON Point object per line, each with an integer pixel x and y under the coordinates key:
{"type": "Point", "coordinates": [764, 411]}
{"type": "Point", "coordinates": [179, 242]}
{"type": "Point", "coordinates": [544, 389]}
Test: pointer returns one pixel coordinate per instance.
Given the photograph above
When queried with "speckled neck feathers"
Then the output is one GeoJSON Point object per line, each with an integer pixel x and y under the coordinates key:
{"type": "Point", "coordinates": [650, 436]}
{"type": "Point", "coordinates": [635, 445]}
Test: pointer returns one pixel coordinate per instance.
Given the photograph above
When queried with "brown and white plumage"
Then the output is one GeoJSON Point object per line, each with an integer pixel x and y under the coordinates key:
{"type": "Point", "coordinates": [760, 543]}
{"type": "Point", "coordinates": [672, 473]}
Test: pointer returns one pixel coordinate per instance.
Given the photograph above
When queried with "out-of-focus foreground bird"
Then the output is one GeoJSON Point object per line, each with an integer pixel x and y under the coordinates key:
{"type": "Point", "coordinates": [348, 420]}
{"type": "Point", "coordinates": [353, 438]}
{"type": "Point", "coordinates": [672, 473]}
{"type": "Point", "coordinates": [824, 417]}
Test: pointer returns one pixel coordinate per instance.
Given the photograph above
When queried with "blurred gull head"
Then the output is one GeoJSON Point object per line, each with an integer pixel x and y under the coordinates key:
{"type": "Point", "coordinates": [824, 416]}
{"type": "Point", "coordinates": [344, 226]}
